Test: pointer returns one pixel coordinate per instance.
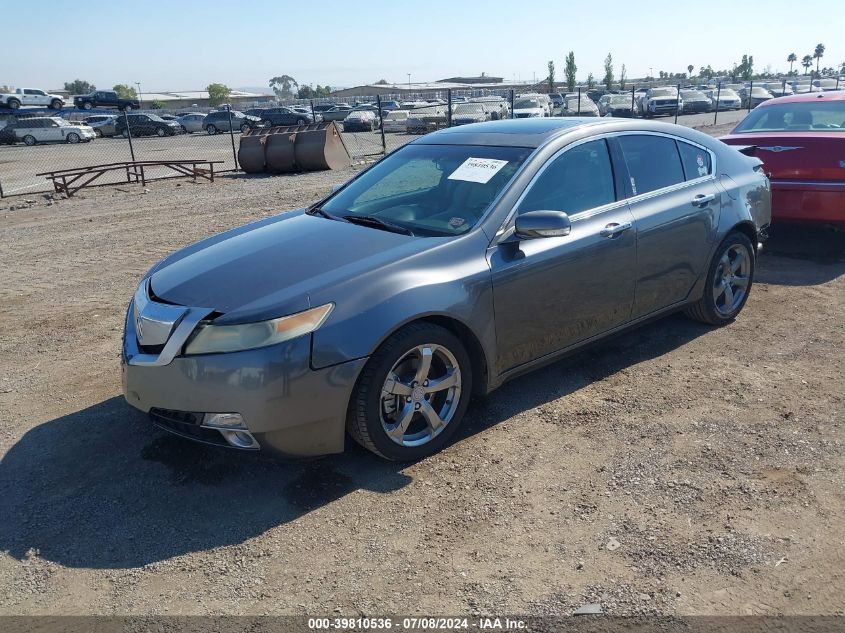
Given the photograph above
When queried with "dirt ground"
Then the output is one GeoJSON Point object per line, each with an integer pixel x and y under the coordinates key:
{"type": "Point", "coordinates": [676, 470]}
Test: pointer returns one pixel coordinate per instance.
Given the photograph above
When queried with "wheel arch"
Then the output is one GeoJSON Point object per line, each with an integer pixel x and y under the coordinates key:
{"type": "Point", "coordinates": [747, 228]}
{"type": "Point", "coordinates": [478, 357]}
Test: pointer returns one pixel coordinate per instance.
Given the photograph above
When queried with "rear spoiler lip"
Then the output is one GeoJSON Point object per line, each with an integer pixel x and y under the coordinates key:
{"type": "Point", "coordinates": [748, 150]}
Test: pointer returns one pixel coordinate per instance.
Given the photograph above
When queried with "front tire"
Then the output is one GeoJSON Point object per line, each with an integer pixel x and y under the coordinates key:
{"type": "Point", "coordinates": [73, 137]}
{"type": "Point", "coordinates": [125, 132]}
{"type": "Point", "coordinates": [14, 104]}
{"type": "Point", "coordinates": [728, 284]}
{"type": "Point", "coordinates": [412, 394]}
{"type": "Point", "coordinates": [87, 105]}
{"type": "Point", "coordinates": [160, 131]}
{"type": "Point", "coordinates": [211, 129]}
{"type": "Point", "coordinates": [55, 104]}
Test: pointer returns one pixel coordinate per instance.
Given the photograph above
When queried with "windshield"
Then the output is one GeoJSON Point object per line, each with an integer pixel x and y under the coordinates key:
{"type": "Point", "coordinates": [620, 100]}
{"type": "Point", "coordinates": [726, 92]}
{"type": "Point", "coordinates": [664, 92]}
{"type": "Point", "coordinates": [810, 116]}
{"type": "Point", "coordinates": [468, 108]}
{"type": "Point", "coordinates": [692, 95]}
{"type": "Point", "coordinates": [526, 103]}
{"type": "Point", "coordinates": [430, 189]}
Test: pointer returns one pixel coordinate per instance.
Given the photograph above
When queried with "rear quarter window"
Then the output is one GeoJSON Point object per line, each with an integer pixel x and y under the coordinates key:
{"type": "Point", "coordinates": [695, 160]}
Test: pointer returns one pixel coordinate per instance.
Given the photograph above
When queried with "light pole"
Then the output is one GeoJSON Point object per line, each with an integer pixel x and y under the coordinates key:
{"type": "Point", "coordinates": [138, 83]}
{"type": "Point", "coordinates": [651, 73]}
{"type": "Point", "coordinates": [409, 82]}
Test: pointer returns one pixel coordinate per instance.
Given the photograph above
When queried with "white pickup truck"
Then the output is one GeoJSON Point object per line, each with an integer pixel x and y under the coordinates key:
{"type": "Point", "coordinates": [30, 97]}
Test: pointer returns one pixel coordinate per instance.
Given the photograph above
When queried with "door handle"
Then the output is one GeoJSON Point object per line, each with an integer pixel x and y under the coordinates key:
{"type": "Point", "coordinates": [702, 200]}
{"type": "Point", "coordinates": [613, 229]}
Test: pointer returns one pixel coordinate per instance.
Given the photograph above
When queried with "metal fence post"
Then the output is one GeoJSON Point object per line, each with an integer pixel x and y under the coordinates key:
{"type": "Point", "coordinates": [449, 107]}
{"type": "Point", "coordinates": [129, 135]}
{"type": "Point", "coordinates": [313, 116]}
{"type": "Point", "coordinates": [677, 102]}
{"type": "Point", "coordinates": [579, 100]}
{"type": "Point", "coordinates": [232, 136]}
{"type": "Point", "coordinates": [1, 190]}
{"type": "Point", "coordinates": [718, 97]}
{"type": "Point", "coordinates": [633, 111]}
{"type": "Point", "coordinates": [381, 125]}
{"type": "Point", "coordinates": [511, 99]}
{"type": "Point", "coordinates": [750, 94]}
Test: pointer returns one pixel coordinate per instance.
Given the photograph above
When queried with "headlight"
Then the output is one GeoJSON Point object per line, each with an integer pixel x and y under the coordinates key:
{"type": "Point", "coordinates": [210, 339]}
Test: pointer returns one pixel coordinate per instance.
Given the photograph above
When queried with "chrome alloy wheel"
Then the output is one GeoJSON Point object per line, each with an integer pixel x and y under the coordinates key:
{"type": "Point", "coordinates": [420, 395]}
{"type": "Point", "coordinates": [731, 280]}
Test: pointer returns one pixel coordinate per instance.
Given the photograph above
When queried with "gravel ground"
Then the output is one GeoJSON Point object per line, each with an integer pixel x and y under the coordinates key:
{"type": "Point", "coordinates": [677, 470]}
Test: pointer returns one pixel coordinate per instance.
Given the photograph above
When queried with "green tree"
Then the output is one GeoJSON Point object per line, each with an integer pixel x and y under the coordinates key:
{"type": "Point", "coordinates": [551, 78]}
{"type": "Point", "coordinates": [817, 55]}
{"type": "Point", "coordinates": [591, 82]}
{"type": "Point", "coordinates": [125, 92]}
{"type": "Point", "coordinates": [806, 62]}
{"type": "Point", "coordinates": [622, 77]}
{"type": "Point", "coordinates": [305, 92]}
{"type": "Point", "coordinates": [157, 105]}
{"type": "Point", "coordinates": [218, 93]}
{"type": "Point", "coordinates": [283, 86]}
{"type": "Point", "coordinates": [381, 82]}
{"type": "Point", "coordinates": [791, 58]}
{"type": "Point", "coordinates": [746, 68]}
{"type": "Point", "coordinates": [690, 68]}
{"type": "Point", "coordinates": [5, 88]}
{"type": "Point", "coordinates": [79, 87]}
{"type": "Point", "coordinates": [608, 71]}
{"type": "Point", "coordinates": [570, 71]}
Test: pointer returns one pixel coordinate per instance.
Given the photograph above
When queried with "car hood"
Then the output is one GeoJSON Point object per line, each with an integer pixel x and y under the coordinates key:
{"type": "Point", "coordinates": [529, 110]}
{"type": "Point", "coordinates": [270, 268]}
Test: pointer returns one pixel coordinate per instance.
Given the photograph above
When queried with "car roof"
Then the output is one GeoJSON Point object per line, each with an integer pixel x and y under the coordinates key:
{"type": "Point", "coordinates": [834, 95]}
{"type": "Point", "coordinates": [533, 133]}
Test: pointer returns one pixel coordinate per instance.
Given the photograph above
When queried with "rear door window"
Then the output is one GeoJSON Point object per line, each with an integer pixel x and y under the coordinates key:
{"type": "Point", "coordinates": [653, 162]}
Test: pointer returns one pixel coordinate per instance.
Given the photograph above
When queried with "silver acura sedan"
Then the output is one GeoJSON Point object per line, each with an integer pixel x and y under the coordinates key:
{"type": "Point", "coordinates": [461, 260]}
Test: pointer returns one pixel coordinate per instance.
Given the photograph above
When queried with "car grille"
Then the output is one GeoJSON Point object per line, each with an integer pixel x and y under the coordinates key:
{"type": "Point", "coordinates": [522, 115]}
{"type": "Point", "coordinates": [186, 424]}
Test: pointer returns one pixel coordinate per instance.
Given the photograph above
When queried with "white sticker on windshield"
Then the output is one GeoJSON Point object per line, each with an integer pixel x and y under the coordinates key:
{"type": "Point", "coordinates": [478, 169]}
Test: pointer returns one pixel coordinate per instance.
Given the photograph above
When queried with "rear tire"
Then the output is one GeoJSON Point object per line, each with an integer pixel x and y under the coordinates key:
{"type": "Point", "coordinates": [87, 105]}
{"type": "Point", "coordinates": [388, 392]}
{"type": "Point", "coordinates": [14, 104]}
{"type": "Point", "coordinates": [29, 139]}
{"type": "Point", "coordinates": [728, 284]}
{"type": "Point", "coordinates": [125, 133]}
{"type": "Point", "coordinates": [245, 128]}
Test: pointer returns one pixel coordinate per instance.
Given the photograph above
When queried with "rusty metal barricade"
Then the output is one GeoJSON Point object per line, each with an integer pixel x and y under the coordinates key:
{"type": "Point", "coordinates": [285, 149]}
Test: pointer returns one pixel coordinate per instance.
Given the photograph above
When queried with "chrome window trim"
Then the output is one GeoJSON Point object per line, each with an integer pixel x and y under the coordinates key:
{"type": "Point", "coordinates": [506, 226]}
{"type": "Point", "coordinates": [680, 185]}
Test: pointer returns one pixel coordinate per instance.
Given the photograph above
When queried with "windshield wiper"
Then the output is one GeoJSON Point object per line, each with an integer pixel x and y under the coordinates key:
{"type": "Point", "coordinates": [325, 214]}
{"type": "Point", "coordinates": [371, 220]}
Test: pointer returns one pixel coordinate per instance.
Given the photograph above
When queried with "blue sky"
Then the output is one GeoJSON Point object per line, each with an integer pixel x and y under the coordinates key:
{"type": "Point", "coordinates": [188, 44]}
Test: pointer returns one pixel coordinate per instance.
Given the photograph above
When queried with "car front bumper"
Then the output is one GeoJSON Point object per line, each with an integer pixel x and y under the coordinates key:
{"type": "Point", "coordinates": [289, 408]}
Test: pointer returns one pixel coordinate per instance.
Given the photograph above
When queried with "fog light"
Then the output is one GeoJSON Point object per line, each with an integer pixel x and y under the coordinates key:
{"type": "Point", "coordinates": [223, 421]}
{"type": "Point", "coordinates": [239, 439]}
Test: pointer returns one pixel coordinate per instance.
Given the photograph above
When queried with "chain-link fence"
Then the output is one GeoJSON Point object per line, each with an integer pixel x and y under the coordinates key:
{"type": "Point", "coordinates": [36, 141]}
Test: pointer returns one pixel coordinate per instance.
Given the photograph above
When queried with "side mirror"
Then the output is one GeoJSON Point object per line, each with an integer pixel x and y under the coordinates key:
{"type": "Point", "coordinates": [542, 224]}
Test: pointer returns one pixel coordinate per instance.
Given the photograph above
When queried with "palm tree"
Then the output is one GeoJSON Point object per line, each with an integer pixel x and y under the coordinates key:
{"type": "Point", "coordinates": [806, 62]}
{"type": "Point", "coordinates": [818, 54]}
{"type": "Point", "coordinates": [791, 59]}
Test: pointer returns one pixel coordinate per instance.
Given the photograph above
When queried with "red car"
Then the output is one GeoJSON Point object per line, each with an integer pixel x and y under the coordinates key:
{"type": "Point", "coordinates": [801, 141]}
